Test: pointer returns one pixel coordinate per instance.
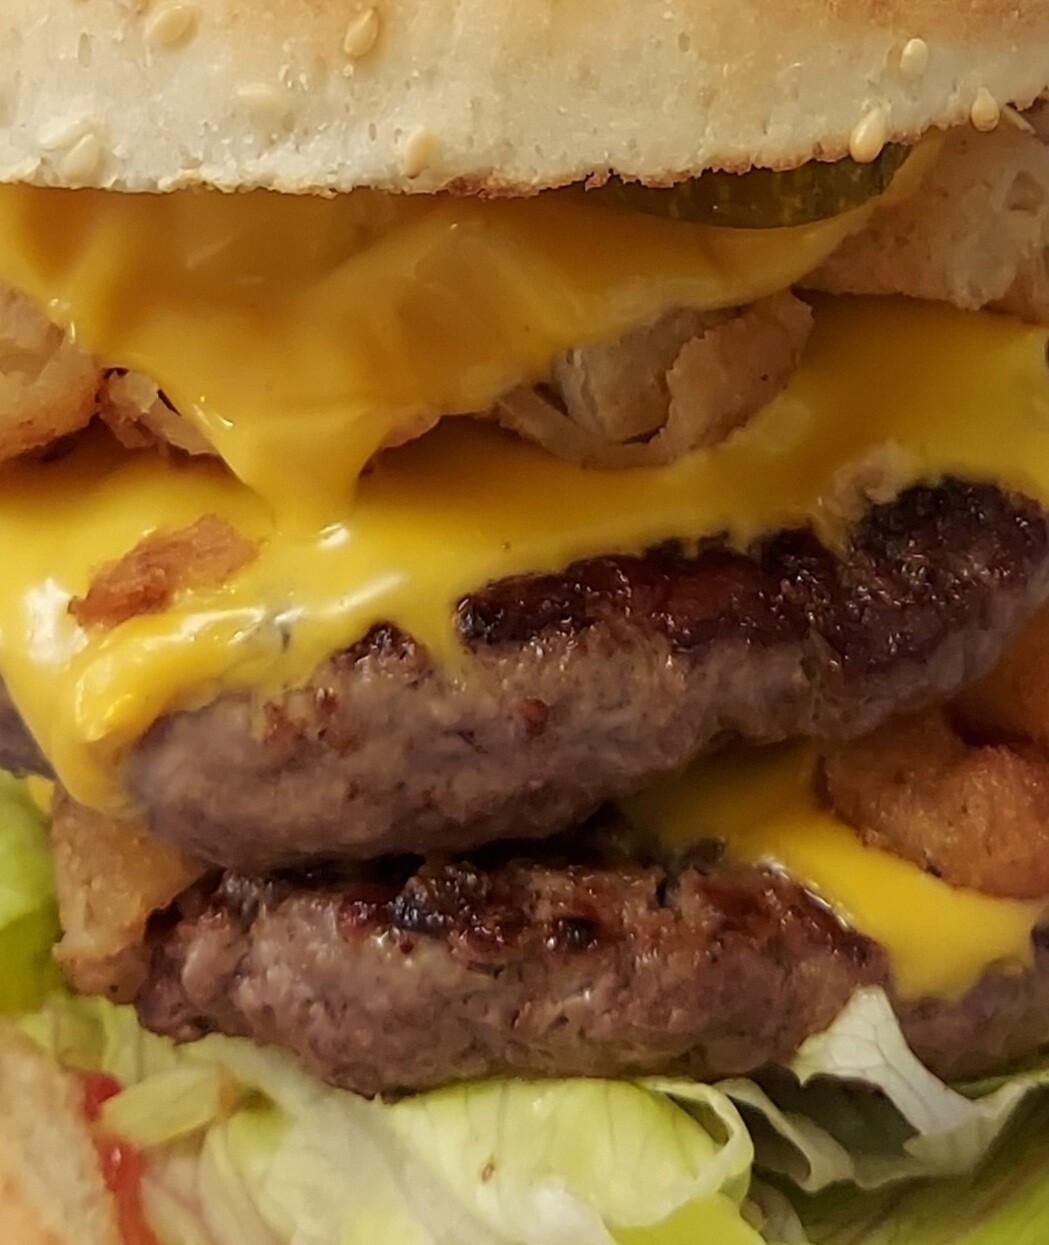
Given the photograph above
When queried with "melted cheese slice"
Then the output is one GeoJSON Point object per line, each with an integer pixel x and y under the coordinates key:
{"type": "Point", "coordinates": [301, 334]}
{"type": "Point", "coordinates": [761, 804]}
{"type": "Point", "coordinates": [466, 505]}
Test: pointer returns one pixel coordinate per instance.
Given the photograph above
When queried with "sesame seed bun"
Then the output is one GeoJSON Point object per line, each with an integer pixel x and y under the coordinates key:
{"type": "Point", "coordinates": [493, 96]}
{"type": "Point", "coordinates": [51, 1188]}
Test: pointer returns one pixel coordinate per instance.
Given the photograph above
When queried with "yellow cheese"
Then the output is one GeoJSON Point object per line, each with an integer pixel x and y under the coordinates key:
{"type": "Point", "coordinates": [462, 507]}
{"type": "Point", "coordinates": [300, 334]}
{"type": "Point", "coordinates": [466, 505]}
{"type": "Point", "coordinates": [761, 804]}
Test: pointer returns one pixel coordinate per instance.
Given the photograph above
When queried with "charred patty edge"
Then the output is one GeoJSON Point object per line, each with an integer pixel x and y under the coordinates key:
{"type": "Point", "coordinates": [582, 687]}
{"type": "Point", "coordinates": [460, 971]}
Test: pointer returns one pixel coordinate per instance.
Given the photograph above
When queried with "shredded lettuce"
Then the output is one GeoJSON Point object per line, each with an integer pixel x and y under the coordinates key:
{"type": "Point", "coordinates": [282, 1159]}
{"type": "Point", "coordinates": [168, 1106]}
{"type": "Point", "coordinates": [810, 1131]}
{"type": "Point", "coordinates": [91, 1035]}
{"type": "Point", "coordinates": [28, 915]}
{"type": "Point", "coordinates": [1006, 1202]}
{"type": "Point", "coordinates": [549, 1163]}
{"type": "Point", "coordinates": [246, 1148]}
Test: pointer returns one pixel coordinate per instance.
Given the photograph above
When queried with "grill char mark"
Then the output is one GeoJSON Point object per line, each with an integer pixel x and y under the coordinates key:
{"type": "Point", "coordinates": [529, 968]}
{"type": "Point", "coordinates": [581, 687]}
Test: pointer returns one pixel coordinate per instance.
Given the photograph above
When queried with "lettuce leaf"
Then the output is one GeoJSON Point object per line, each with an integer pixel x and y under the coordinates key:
{"type": "Point", "coordinates": [91, 1035]}
{"type": "Point", "coordinates": [247, 1148]}
{"type": "Point", "coordinates": [659, 1162]}
{"type": "Point", "coordinates": [1005, 1203]}
{"type": "Point", "coordinates": [28, 913]}
{"type": "Point", "coordinates": [814, 1134]}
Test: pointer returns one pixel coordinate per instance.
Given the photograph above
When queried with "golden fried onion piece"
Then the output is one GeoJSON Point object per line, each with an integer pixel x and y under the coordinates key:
{"type": "Point", "coordinates": [1012, 702]}
{"type": "Point", "coordinates": [975, 233]}
{"type": "Point", "coordinates": [686, 380]}
{"type": "Point", "coordinates": [146, 580]}
{"type": "Point", "coordinates": [140, 417]}
{"type": "Point", "coordinates": [48, 386]}
{"type": "Point", "coordinates": [111, 877]}
{"type": "Point", "coordinates": [975, 815]}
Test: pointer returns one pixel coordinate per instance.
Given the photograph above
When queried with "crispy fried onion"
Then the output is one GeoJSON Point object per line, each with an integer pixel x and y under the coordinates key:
{"type": "Point", "coordinates": [1012, 702]}
{"type": "Point", "coordinates": [48, 386]}
{"type": "Point", "coordinates": [975, 233]}
{"type": "Point", "coordinates": [973, 813]}
{"type": "Point", "coordinates": [111, 876]}
{"type": "Point", "coordinates": [686, 380]}
{"type": "Point", "coordinates": [140, 416]}
{"type": "Point", "coordinates": [146, 580]}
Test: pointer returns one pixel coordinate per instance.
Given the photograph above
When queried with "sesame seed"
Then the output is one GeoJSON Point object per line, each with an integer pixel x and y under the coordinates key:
{"type": "Point", "coordinates": [419, 151]}
{"type": "Point", "coordinates": [914, 59]}
{"type": "Point", "coordinates": [263, 99]}
{"type": "Point", "coordinates": [83, 160]}
{"type": "Point", "coordinates": [62, 133]}
{"type": "Point", "coordinates": [173, 25]}
{"type": "Point", "coordinates": [985, 112]}
{"type": "Point", "coordinates": [1017, 120]}
{"type": "Point", "coordinates": [361, 34]}
{"type": "Point", "coordinates": [869, 136]}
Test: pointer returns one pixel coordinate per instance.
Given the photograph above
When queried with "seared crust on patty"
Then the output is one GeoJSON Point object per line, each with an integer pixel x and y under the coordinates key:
{"type": "Point", "coordinates": [580, 687]}
{"type": "Point", "coordinates": [461, 972]}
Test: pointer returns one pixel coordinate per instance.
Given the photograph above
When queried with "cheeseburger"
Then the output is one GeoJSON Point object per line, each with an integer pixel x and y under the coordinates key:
{"type": "Point", "coordinates": [524, 622]}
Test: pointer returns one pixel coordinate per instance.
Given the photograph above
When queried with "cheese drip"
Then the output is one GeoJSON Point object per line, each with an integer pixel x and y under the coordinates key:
{"type": "Point", "coordinates": [947, 391]}
{"type": "Point", "coordinates": [301, 334]}
{"type": "Point", "coordinates": [762, 805]}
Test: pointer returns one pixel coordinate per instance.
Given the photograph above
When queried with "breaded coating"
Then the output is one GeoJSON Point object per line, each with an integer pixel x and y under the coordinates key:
{"type": "Point", "coordinates": [975, 233]}
{"type": "Point", "coordinates": [111, 876]}
{"type": "Point", "coordinates": [48, 386]}
{"type": "Point", "coordinates": [686, 380]}
{"type": "Point", "coordinates": [977, 816]}
{"type": "Point", "coordinates": [1012, 702]}
{"type": "Point", "coordinates": [146, 580]}
{"type": "Point", "coordinates": [140, 417]}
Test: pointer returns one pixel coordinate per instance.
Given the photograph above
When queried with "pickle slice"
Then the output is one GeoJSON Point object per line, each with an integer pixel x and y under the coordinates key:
{"type": "Point", "coordinates": [764, 198]}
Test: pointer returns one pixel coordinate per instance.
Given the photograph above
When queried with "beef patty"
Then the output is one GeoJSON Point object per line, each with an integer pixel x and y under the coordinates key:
{"type": "Point", "coordinates": [19, 751]}
{"type": "Point", "coordinates": [579, 687]}
{"type": "Point", "coordinates": [461, 972]}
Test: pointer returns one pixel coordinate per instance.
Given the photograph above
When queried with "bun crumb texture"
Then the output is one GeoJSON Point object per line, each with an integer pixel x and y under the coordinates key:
{"type": "Point", "coordinates": [491, 96]}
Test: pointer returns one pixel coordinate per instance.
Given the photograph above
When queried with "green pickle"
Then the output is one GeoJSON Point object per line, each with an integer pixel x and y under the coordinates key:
{"type": "Point", "coordinates": [765, 198]}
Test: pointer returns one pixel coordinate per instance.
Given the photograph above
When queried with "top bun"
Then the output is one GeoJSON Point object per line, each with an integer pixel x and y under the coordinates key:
{"type": "Point", "coordinates": [492, 96]}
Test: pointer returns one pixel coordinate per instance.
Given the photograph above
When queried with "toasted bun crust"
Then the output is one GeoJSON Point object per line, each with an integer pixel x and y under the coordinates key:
{"type": "Point", "coordinates": [51, 1188]}
{"type": "Point", "coordinates": [497, 96]}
